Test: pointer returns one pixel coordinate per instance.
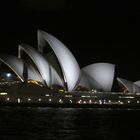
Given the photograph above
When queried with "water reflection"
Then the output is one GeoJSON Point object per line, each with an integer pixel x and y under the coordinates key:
{"type": "Point", "coordinates": [68, 123]}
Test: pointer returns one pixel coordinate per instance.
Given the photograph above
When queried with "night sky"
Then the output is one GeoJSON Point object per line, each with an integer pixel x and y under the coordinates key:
{"type": "Point", "coordinates": [95, 31]}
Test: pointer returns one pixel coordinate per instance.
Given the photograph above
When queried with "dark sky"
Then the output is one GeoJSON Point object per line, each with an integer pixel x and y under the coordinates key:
{"type": "Point", "coordinates": [95, 31]}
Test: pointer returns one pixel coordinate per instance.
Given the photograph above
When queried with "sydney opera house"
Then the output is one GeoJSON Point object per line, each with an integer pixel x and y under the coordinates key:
{"type": "Point", "coordinates": [50, 74]}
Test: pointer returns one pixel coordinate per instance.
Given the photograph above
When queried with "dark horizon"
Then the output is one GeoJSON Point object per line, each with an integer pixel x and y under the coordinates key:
{"type": "Point", "coordinates": [103, 31]}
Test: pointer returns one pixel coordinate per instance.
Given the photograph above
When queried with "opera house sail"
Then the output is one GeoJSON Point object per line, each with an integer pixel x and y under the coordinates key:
{"type": "Point", "coordinates": [100, 75]}
{"type": "Point", "coordinates": [128, 85]}
{"type": "Point", "coordinates": [51, 74]}
{"type": "Point", "coordinates": [66, 61]}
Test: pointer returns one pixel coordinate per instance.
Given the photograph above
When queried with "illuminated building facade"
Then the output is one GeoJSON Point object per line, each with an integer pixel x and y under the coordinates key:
{"type": "Point", "coordinates": [51, 70]}
{"type": "Point", "coordinates": [53, 64]}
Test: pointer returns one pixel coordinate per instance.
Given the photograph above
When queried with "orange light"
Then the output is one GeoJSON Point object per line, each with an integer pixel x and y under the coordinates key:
{"type": "Point", "coordinates": [35, 82]}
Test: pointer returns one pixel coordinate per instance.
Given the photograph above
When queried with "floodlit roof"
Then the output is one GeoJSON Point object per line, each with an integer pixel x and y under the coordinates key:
{"type": "Point", "coordinates": [67, 62]}
{"type": "Point", "coordinates": [54, 64]}
{"type": "Point", "coordinates": [129, 85]}
{"type": "Point", "coordinates": [102, 75]}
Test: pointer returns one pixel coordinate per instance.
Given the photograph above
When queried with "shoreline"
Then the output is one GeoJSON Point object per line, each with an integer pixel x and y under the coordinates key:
{"type": "Point", "coordinates": [70, 105]}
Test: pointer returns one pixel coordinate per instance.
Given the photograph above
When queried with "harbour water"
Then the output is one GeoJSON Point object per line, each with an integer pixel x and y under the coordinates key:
{"type": "Point", "coordinates": [46, 123]}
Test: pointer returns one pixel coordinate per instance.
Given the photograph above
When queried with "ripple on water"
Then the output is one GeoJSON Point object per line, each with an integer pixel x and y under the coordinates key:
{"type": "Point", "coordinates": [41, 123]}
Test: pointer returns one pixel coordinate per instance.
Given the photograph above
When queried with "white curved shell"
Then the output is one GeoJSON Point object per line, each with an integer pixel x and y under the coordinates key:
{"type": "Point", "coordinates": [129, 85]}
{"type": "Point", "coordinates": [102, 74]}
{"type": "Point", "coordinates": [33, 74]}
{"type": "Point", "coordinates": [17, 65]}
{"type": "Point", "coordinates": [39, 61]}
{"type": "Point", "coordinates": [137, 83]}
{"type": "Point", "coordinates": [88, 81]}
{"type": "Point", "coordinates": [55, 78]}
{"type": "Point", "coordinates": [67, 62]}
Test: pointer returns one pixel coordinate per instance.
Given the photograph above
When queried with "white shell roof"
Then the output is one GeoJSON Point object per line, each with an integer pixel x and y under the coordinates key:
{"type": "Point", "coordinates": [67, 62]}
{"type": "Point", "coordinates": [55, 78]}
{"type": "Point", "coordinates": [40, 62]}
{"type": "Point", "coordinates": [137, 83]}
{"type": "Point", "coordinates": [88, 81]}
{"type": "Point", "coordinates": [103, 75]}
{"type": "Point", "coordinates": [131, 87]}
{"type": "Point", "coordinates": [17, 65]}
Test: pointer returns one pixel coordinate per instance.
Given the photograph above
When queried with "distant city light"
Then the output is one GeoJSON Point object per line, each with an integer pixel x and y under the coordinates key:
{"type": "Point", "coordinates": [90, 101]}
{"type": "Point", "coordinates": [60, 101]}
{"type": "Point", "coordinates": [100, 102]}
{"type": "Point", "coordinates": [84, 102]}
{"type": "Point", "coordinates": [8, 75]}
{"type": "Point", "coordinates": [70, 101]}
{"type": "Point", "coordinates": [3, 93]}
{"type": "Point", "coordinates": [19, 100]}
{"type": "Point", "coordinates": [79, 101]}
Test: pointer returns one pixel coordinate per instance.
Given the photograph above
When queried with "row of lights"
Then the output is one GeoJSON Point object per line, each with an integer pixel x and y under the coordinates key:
{"type": "Point", "coordinates": [29, 99]}
{"type": "Point", "coordinates": [103, 102]}
{"type": "Point", "coordinates": [79, 102]}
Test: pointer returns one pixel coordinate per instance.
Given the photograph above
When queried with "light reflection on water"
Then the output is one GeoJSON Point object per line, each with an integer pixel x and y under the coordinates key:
{"type": "Point", "coordinates": [38, 123]}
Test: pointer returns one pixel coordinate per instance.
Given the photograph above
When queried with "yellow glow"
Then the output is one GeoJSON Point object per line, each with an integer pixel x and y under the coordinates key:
{"type": "Point", "coordinates": [61, 90]}
{"type": "Point", "coordinates": [35, 82]}
{"type": "Point", "coordinates": [3, 93]}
